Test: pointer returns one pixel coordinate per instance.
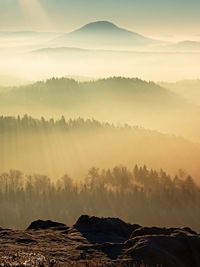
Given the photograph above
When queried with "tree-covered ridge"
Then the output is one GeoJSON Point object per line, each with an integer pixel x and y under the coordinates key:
{"type": "Point", "coordinates": [115, 99]}
{"type": "Point", "coordinates": [28, 123]}
{"type": "Point", "coordinates": [138, 195]}
{"type": "Point", "coordinates": [54, 146]}
{"type": "Point", "coordinates": [72, 90]}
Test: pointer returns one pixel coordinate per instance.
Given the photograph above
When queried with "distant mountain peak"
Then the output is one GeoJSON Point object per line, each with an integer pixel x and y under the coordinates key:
{"type": "Point", "coordinates": [100, 24]}
{"type": "Point", "coordinates": [104, 34]}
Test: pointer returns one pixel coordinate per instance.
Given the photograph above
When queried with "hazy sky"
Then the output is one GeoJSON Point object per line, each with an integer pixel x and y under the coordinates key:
{"type": "Point", "coordinates": [152, 17]}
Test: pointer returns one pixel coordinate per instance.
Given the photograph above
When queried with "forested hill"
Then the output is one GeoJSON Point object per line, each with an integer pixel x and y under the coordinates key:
{"type": "Point", "coordinates": [27, 123]}
{"type": "Point", "coordinates": [59, 92]}
{"type": "Point", "coordinates": [55, 147]}
{"type": "Point", "coordinates": [138, 195]}
{"type": "Point", "coordinates": [116, 100]}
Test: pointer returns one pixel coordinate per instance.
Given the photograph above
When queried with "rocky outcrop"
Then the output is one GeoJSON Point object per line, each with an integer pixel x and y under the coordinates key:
{"type": "Point", "coordinates": [39, 224]}
{"type": "Point", "coordinates": [143, 231]}
{"type": "Point", "coordinates": [165, 250]}
{"type": "Point", "coordinates": [100, 230]}
{"type": "Point", "coordinates": [107, 240]}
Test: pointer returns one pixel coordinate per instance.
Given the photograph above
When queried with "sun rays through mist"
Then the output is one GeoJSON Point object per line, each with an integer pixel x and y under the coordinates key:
{"type": "Point", "coordinates": [34, 13]}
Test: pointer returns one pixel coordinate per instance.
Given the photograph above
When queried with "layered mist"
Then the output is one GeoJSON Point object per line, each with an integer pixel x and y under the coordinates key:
{"type": "Point", "coordinates": [58, 147]}
{"type": "Point", "coordinates": [81, 116]}
{"type": "Point", "coordinates": [98, 49]}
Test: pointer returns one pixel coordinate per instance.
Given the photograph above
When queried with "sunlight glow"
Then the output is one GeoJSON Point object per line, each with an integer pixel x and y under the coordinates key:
{"type": "Point", "coordinates": [34, 13]}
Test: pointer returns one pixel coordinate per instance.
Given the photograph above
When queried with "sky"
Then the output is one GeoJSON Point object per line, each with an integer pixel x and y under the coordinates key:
{"type": "Point", "coordinates": [151, 17]}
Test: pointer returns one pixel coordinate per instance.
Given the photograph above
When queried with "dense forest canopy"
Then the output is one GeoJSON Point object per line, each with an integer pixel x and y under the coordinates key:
{"type": "Point", "coordinates": [28, 123]}
{"type": "Point", "coordinates": [138, 195]}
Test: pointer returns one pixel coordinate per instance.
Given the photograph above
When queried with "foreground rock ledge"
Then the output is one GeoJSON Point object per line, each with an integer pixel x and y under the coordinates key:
{"type": "Point", "coordinates": [92, 239]}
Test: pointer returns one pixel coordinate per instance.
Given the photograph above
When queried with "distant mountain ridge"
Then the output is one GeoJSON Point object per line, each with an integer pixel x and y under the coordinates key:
{"type": "Point", "coordinates": [20, 34]}
{"type": "Point", "coordinates": [105, 27]}
{"type": "Point", "coordinates": [101, 35]}
{"type": "Point", "coordinates": [104, 33]}
{"type": "Point", "coordinates": [51, 50]}
{"type": "Point", "coordinates": [98, 25]}
{"type": "Point", "coordinates": [183, 46]}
